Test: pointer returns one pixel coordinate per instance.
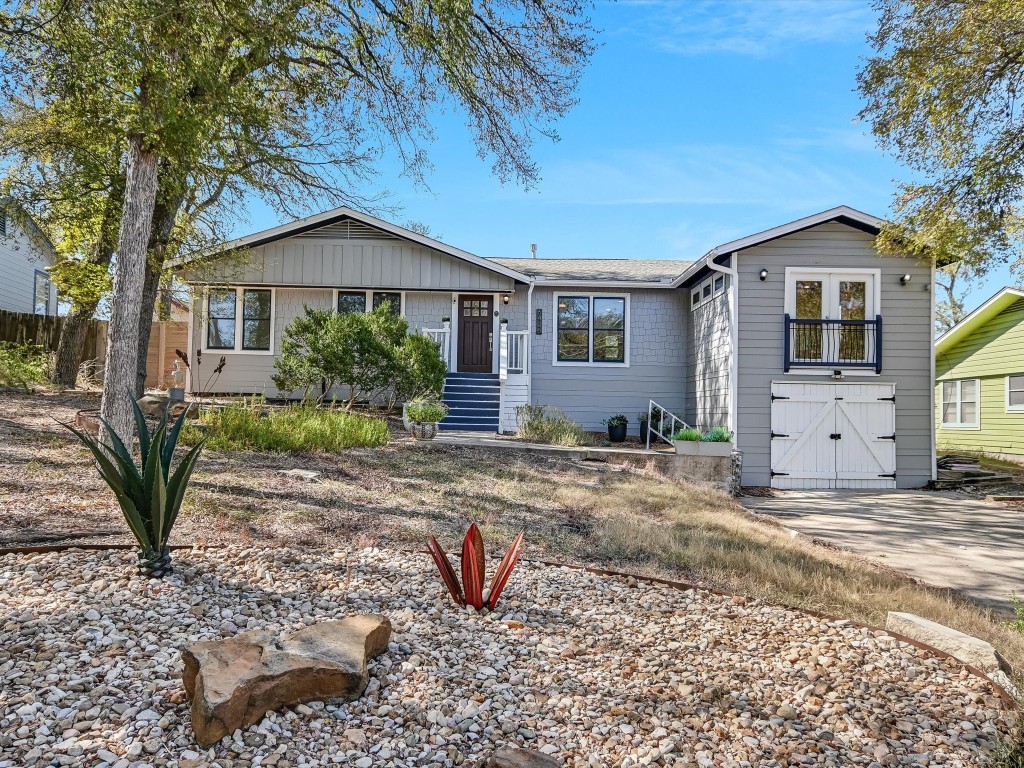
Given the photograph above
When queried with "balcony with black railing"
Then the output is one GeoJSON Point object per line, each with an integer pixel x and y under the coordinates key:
{"type": "Point", "coordinates": [833, 343]}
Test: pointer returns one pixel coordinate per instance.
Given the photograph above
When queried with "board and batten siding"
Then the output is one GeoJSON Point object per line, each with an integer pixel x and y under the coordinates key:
{"type": "Point", "coordinates": [907, 343]}
{"type": "Point", "coordinates": [708, 360]}
{"type": "Point", "coordinates": [990, 354]}
{"type": "Point", "coordinates": [589, 394]}
{"type": "Point", "coordinates": [20, 257]}
{"type": "Point", "coordinates": [341, 263]}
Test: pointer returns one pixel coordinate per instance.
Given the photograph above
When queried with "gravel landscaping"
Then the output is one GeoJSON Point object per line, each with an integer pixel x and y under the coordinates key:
{"type": "Point", "coordinates": [598, 671]}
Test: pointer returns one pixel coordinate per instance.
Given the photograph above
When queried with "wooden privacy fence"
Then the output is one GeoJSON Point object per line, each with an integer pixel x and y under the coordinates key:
{"type": "Point", "coordinates": [44, 330]}
{"type": "Point", "coordinates": [166, 336]}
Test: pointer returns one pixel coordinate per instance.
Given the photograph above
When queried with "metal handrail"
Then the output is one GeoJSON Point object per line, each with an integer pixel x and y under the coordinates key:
{"type": "Point", "coordinates": [832, 343]}
{"type": "Point", "coordinates": [673, 420]}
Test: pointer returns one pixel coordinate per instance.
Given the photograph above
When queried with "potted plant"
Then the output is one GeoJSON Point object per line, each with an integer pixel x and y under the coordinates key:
{"type": "Point", "coordinates": [446, 322]}
{"type": "Point", "coordinates": [693, 442]}
{"type": "Point", "coordinates": [643, 419]}
{"type": "Point", "coordinates": [617, 428]}
{"type": "Point", "coordinates": [423, 416]}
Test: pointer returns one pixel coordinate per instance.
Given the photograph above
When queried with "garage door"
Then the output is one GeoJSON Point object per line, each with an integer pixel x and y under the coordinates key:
{"type": "Point", "coordinates": [833, 435]}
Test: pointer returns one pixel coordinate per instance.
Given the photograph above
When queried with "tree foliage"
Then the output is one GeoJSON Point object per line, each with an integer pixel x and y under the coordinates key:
{"type": "Point", "coordinates": [942, 94]}
{"type": "Point", "coordinates": [371, 355]}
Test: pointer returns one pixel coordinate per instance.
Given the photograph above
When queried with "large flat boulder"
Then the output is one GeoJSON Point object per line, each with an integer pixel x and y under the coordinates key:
{"type": "Point", "coordinates": [234, 682]}
{"type": "Point", "coordinates": [965, 648]}
{"type": "Point", "coordinates": [514, 757]}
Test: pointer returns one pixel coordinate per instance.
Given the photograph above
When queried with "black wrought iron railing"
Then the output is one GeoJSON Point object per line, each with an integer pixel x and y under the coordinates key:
{"type": "Point", "coordinates": [833, 343]}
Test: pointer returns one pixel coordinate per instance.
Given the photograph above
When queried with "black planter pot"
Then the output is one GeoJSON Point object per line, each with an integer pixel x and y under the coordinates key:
{"type": "Point", "coordinates": [644, 429]}
{"type": "Point", "coordinates": [617, 433]}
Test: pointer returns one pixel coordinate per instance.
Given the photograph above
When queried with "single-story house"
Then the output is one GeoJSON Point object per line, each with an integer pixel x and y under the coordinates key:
{"type": "Point", "coordinates": [25, 256]}
{"type": "Point", "coordinates": [811, 348]}
{"type": "Point", "coordinates": [979, 379]}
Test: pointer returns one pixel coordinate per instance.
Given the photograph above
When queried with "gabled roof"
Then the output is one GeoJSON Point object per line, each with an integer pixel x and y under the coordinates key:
{"type": "Point", "coordinates": [1005, 298]}
{"type": "Point", "coordinates": [327, 218]}
{"type": "Point", "coordinates": [842, 214]}
{"type": "Point", "coordinates": [613, 270]}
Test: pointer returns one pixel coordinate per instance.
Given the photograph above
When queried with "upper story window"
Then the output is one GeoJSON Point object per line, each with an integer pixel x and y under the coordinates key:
{"type": "Point", "coordinates": [3, 222]}
{"type": "Point", "coordinates": [960, 404]}
{"type": "Point", "coordinates": [591, 329]}
{"type": "Point", "coordinates": [41, 294]}
{"type": "Point", "coordinates": [707, 289]}
{"type": "Point", "coordinates": [358, 301]}
{"type": "Point", "coordinates": [240, 319]}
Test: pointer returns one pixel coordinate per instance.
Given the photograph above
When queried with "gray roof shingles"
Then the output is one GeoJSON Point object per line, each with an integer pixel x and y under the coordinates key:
{"type": "Point", "coordinates": [639, 270]}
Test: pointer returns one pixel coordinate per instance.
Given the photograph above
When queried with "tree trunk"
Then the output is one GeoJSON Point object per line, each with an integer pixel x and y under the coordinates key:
{"type": "Point", "coordinates": [129, 279]}
{"type": "Point", "coordinates": [69, 347]}
{"type": "Point", "coordinates": [165, 213]}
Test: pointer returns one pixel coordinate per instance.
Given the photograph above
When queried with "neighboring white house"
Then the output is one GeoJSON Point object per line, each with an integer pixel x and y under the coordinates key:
{"type": "Point", "coordinates": [25, 255]}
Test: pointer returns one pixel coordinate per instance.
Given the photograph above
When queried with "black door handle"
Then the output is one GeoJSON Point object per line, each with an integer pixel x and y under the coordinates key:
{"type": "Point", "coordinates": [836, 436]}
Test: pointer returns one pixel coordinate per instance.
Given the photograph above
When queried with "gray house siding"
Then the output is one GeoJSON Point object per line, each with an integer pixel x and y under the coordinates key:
{"type": "Point", "coordinates": [357, 263]}
{"type": "Point", "coordinates": [425, 309]}
{"type": "Point", "coordinates": [708, 361]}
{"type": "Point", "coordinates": [20, 258]}
{"type": "Point", "coordinates": [589, 394]}
{"type": "Point", "coordinates": [907, 343]}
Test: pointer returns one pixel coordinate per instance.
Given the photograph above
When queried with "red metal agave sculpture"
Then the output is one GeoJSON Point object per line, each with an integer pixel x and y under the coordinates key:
{"type": "Point", "coordinates": [473, 569]}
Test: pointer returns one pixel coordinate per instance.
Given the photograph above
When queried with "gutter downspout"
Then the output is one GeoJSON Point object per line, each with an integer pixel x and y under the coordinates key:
{"type": "Point", "coordinates": [734, 338]}
{"type": "Point", "coordinates": [529, 348]}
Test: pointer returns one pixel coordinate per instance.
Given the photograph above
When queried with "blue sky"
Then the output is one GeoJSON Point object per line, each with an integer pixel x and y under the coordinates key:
{"type": "Point", "coordinates": [697, 122]}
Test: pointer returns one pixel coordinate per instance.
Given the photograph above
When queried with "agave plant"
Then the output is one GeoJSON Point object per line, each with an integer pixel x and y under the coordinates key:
{"type": "Point", "coordinates": [473, 570]}
{"type": "Point", "coordinates": [150, 494]}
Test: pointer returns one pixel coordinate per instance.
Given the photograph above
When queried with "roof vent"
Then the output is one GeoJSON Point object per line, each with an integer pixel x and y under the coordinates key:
{"type": "Point", "coordinates": [350, 229]}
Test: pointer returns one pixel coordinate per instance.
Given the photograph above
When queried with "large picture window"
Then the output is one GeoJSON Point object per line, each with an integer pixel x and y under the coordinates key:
{"type": "Point", "coordinates": [351, 302]}
{"type": "Point", "coordinates": [240, 319]}
{"type": "Point", "coordinates": [368, 301]}
{"type": "Point", "coordinates": [393, 300]}
{"type": "Point", "coordinates": [960, 404]}
{"type": "Point", "coordinates": [590, 329]}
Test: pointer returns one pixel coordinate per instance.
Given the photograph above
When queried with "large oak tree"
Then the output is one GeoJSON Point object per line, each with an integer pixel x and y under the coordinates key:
{"type": "Point", "coordinates": [307, 87]}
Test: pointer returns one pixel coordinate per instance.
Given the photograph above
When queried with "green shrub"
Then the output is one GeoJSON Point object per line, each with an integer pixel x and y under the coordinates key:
{"type": "Point", "coordinates": [717, 435]}
{"type": "Point", "coordinates": [250, 425]}
{"type": "Point", "coordinates": [425, 412]}
{"type": "Point", "coordinates": [617, 420]}
{"type": "Point", "coordinates": [22, 364]}
{"type": "Point", "coordinates": [538, 424]}
{"type": "Point", "coordinates": [690, 433]}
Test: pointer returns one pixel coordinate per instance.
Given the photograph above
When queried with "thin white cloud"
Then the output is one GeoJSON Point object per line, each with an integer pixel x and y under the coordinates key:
{"type": "Point", "coordinates": [745, 27]}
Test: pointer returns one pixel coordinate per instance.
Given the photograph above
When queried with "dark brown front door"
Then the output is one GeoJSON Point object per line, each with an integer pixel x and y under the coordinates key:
{"type": "Point", "coordinates": [476, 329]}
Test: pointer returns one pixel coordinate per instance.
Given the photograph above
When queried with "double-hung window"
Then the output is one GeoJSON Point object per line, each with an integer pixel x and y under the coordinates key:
{"type": "Point", "coordinates": [1015, 392]}
{"type": "Point", "coordinates": [960, 404]}
{"type": "Point", "coordinates": [239, 319]}
{"type": "Point", "coordinates": [591, 329]}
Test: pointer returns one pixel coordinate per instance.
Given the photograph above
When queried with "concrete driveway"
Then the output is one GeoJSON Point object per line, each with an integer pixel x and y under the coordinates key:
{"type": "Point", "coordinates": [972, 546]}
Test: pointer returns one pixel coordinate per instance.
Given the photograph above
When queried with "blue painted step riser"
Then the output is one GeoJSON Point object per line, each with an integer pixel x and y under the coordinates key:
{"type": "Point", "coordinates": [487, 413]}
{"type": "Point", "coordinates": [491, 430]}
{"type": "Point", "coordinates": [469, 418]}
{"type": "Point", "coordinates": [459, 375]}
{"type": "Point", "coordinates": [484, 397]}
{"type": "Point", "coordinates": [471, 386]}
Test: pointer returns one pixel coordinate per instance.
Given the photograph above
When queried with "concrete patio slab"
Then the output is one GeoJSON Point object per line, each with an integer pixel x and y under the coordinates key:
{"type": "Point", "coordinates": [974, 547]}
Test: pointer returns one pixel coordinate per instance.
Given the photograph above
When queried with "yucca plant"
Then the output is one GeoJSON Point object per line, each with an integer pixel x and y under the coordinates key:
{"type": "Point", "coordinates": [473, 570]}
{"type": "Point", "coordinates": [150, 494]}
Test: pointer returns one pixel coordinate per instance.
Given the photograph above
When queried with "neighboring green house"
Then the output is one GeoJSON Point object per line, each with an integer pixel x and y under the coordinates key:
{"type": "Point", "coordinates": [979, 379]}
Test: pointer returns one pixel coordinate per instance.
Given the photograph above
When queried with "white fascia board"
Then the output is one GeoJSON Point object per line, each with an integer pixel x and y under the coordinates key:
{"type": "Point", "coordinates": [312, 222]}
{"type": "Point", "coordinates": [619, 284]}
{"type": "Point", "coordinates": [985, 312]}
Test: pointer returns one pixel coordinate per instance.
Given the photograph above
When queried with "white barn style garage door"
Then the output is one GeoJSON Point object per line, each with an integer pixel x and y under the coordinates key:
{"type": "Point", "coordinates": [840, 435]}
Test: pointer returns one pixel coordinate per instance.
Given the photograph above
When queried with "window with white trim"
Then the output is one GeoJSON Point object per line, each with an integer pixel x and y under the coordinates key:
{"type": "Point", "coordinates": [240, 319]}
{"type": "Point", "coordinates": [707, 289]}
{"type": "Point", "coordinates": [960, 404]}
{"type": "Point", "coordinates": [591, 329]}
{"type": "Point", "coordinates": [41, 293]}
{"type": "Point", "coordinates": [368, 301]}
{"type": "Point", "coordinates": [1015, 392]}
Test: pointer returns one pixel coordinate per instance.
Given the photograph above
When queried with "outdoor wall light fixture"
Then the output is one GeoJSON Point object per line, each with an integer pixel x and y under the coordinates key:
{"type": "Point", "coordinates": [504, 299]}
{"type": "Point", "coordinates": [763, 274]}
{"type": "Point", "coordinates": [837, 374]}
{"type": "Point", "coordinates": [904, 279]}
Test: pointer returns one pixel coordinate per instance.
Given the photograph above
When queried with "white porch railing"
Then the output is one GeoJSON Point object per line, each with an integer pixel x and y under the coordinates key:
{"type": "Point", "coordinates": [663, 423]}
{"type": "Point", "coordinates": [442, 337]}
{"type": "Point", "coordinates": [513, 352]}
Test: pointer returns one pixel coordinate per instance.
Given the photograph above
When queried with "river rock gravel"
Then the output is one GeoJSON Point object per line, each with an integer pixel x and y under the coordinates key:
{"type": "Point", "coordinates": [594, 670]}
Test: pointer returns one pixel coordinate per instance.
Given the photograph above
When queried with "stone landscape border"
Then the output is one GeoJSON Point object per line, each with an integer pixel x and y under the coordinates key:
{"type": "Point", "coordinates": [1011, 703]}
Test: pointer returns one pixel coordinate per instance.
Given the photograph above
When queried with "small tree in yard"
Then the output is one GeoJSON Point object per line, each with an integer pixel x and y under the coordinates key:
{"type": "Point", "coordinates": [368, 353]}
